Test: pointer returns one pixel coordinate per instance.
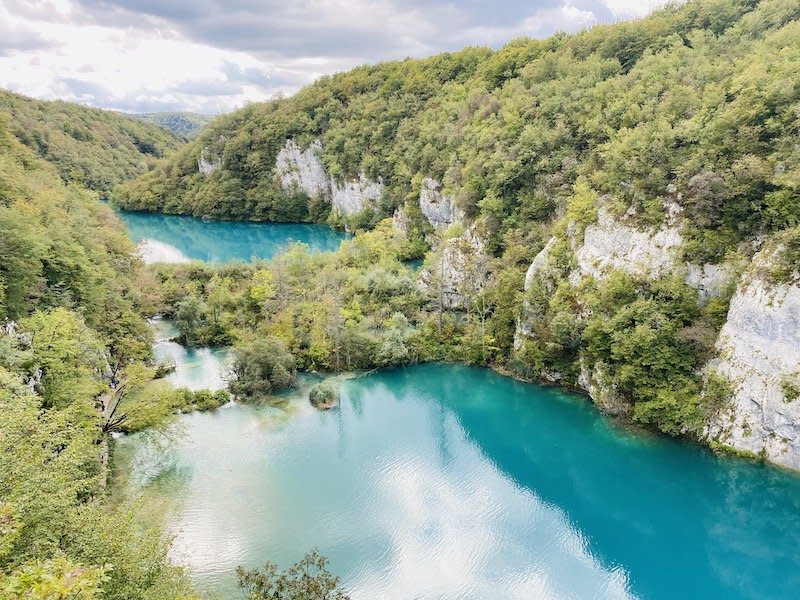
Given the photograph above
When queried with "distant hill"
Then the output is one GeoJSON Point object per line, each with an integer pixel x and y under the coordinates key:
{"type": "Point", "coordinates": [184, 124]}
{"type": "Point", "coordinates": [95, 148]}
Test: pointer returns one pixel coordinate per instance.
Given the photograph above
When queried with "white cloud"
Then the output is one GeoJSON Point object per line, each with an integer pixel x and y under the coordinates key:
{"type": "Point", "coordinates": [213, 56]}
{"type": "Point", "coordinates": [627, 9]}
{"type": "Point", "coordinates": [543, 22]}
{"type": "Point", "coordinates": [140, 68]}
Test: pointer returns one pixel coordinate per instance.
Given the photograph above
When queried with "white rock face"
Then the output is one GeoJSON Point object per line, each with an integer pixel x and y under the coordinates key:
{"type": "Point", "coordinates": [462, 270]}
{"type": "Point", "coordinates": [438, 209]}
{"type": "Point", "coordinates": [609, 245]}
{"type": "Point", "coordinates": [208, 162]}
{"type": "Point", "coordinates": [539, 264]}
{"type": "Point", "coordinates": [401, 222]}
{"type": "Point", "coordinates": [759, 346]}
{"type": "Point", "coordinates": [710, 280]}
{"type": "Point", "coordinates": [303, 170]}
{"type": "Point", "coordinates": [535, 271]}
{"type": "Point", "coordinates": [351, 197]}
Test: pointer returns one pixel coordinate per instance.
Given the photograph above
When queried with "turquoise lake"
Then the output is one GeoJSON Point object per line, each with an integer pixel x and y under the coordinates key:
{"type": "Point", "coordinates": [171, 238]}
{"type": "Point", "coordinates": [443, 481]}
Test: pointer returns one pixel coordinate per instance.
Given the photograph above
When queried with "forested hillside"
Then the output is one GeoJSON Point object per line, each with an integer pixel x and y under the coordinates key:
{"type": "Point", "coordinates": [72, 297]}
{"type": "Point", "coordinates": [642, 165]}
{"type": "Point", "coordinates": [96, 149]}
{"type": "Point", "coordinates": [698, 97]}
{"type": "Point", "coordinates": [184, 124]}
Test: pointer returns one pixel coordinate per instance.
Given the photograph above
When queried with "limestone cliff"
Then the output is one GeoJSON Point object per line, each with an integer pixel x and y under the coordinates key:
{"type": "Point", "coordinates": [610, 244]}
{"type": "Point", "coordinates": [298, 169]}
{"type": "Point", "coordinates": [353, 196]}
{"type": "Point", "coordinates": [456, 271]}
{"type": "Point", "coordinates": [759, 353]}
{"type": "Point", "coordinates": [440, 210]}
{"type": "Point", "coordinates": [757, 350]}
{"type": "Point", "coordinates": [302, 169]}
{"type": "Point", "coordinates": [208, 162]}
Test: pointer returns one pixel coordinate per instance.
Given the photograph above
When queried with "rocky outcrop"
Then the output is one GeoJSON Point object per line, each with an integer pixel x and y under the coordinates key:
{"type": "Point", "coordinates": [208, 162]}
{"type": "Point", "coordinates": [611, 245]}
{"type": "Point", "coordinates": [536, 271]}
{"type": "Point", "coordinates": [438, 209]}
{"type": "Point", "coordinates": [710, 280]}
{"type": "Point", "coordinates": [539, 264]}
{"type": "Point", "coordinates": [352, 197]}
{"type": "Point", "coordinates": [593, 382]}
{"type": "Point", "coordinates": [401, 221]}
{"type": "Point", "coordinates": [458, 271]}
{"type": "Point", "coordinates": [759, 353]}
{"type": "Point", "coordinates": [758, 348]}
{"type": "Point", "coordinates": [298, 169]}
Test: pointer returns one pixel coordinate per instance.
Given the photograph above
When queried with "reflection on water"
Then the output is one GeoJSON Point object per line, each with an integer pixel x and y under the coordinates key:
{"type": "Point", "coordinates": [171, 238]}
{"type": "Point", "coordinates": [449, 482]}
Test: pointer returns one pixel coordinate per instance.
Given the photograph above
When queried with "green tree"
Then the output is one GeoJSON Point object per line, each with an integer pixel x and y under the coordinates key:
{"type": "Point", "coordinates": [308, 579]}
{"type": "Point", "coordinates": [261, 367]}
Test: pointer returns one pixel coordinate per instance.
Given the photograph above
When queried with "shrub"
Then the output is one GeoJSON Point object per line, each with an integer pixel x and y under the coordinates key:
{"type": "Point", "coordinates": [261, 367]}
{"type": "Point", "coordinates": [324, 396]}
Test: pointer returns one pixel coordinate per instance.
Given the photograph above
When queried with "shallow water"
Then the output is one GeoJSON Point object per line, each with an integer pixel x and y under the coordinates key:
{"type": "Point", "coordinates": [195, 368]}
{"type": "Point", "coordinates": [171, 238]}
{"type": "Point", "coordinates": [444, 481]}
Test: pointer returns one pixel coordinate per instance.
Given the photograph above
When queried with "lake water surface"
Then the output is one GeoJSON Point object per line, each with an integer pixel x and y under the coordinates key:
{"type": "Point", "coordinates": [171, 238]}
{"type": "Point", "coordinates": [444, 481]}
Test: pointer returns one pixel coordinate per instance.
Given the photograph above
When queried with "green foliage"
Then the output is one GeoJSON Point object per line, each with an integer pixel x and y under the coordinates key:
{"type": "Point", "coordinates": [261, 366]}
{"type": "Point", "coordinates": [651, 338]}
{"type": "Point", "coordinates": [61, 248]}
{"type": "Point", "coordinates": [183, 124]}
{"type": "Point", "coordinates": [69, 355]}
{"type": "Point", "coordinates": [785, 268]}
{"type": "Point", "coordinates": [70, 281]}
{"type": "Point", "coordinates": [692, 109]}
{"type": "Point", "coordinates": [323, 395]}
{"type": "Point", "coordinates": [694, 104]}
{"type": "Point", "coordinates": [93, 148]}
{"type": "Point", "coordinates": [308, 579]}
{"type": "Point", "coordinates": [51, 480]}
{"type": "Point", "coordinates": [790, 387]}
{"type": "Point", "coordinates": [152, 403]}
{"type": "Point", "coordinates": [54, 579]}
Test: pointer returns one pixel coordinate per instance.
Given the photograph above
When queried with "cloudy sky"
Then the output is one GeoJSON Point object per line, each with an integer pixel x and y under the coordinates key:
{"type": "Point", "coordinates": [215, 55]}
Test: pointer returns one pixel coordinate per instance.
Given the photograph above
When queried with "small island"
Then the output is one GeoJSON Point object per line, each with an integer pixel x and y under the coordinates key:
{"type": "Point", "coordinates": [324, 396]}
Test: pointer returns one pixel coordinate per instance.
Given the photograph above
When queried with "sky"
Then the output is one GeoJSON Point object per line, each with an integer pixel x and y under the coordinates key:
{"type": "Point", "coordinates": [213, 56]}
